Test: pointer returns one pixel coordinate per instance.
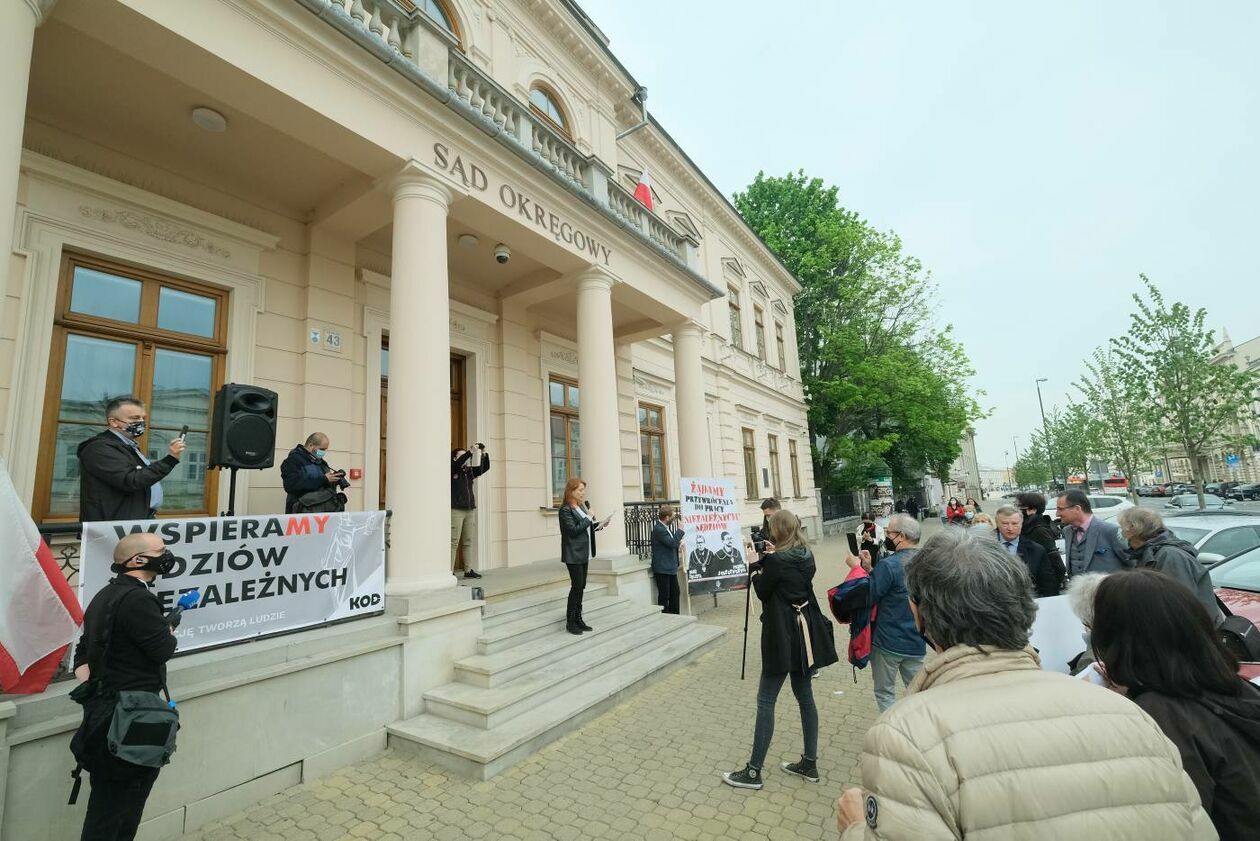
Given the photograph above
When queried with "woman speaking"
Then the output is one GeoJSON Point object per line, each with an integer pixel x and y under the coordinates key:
{"type": "Point", "coordinates": [576, 527]}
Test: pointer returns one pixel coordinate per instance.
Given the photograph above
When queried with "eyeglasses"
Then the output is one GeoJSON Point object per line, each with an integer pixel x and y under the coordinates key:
{"type": "Point", "coordinates": [889, 533]}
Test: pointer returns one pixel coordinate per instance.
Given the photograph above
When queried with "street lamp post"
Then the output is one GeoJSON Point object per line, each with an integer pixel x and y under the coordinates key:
{"type": "Point", "coordinates": [1045, 432]}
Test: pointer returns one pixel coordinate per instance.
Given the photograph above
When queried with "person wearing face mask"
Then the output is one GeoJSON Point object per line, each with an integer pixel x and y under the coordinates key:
{"type": "Point", "coordinates": [304, 471]}
{"type": "Point", "coordinates": [125, 645]}
{"type": "Point", "coordinates": [896, 646]}
{"type": "Point", "coordinates": [116, 480]}
{"type": "Point", "coordinates": [989, 745]}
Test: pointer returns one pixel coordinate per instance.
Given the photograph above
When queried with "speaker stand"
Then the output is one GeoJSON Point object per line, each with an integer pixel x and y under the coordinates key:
{"type": "Point", "coordinates": [231, 509]}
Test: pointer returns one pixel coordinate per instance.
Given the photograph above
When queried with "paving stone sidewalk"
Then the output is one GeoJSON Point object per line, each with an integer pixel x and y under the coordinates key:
{"type": "Point", "coordinates": [648, 770]}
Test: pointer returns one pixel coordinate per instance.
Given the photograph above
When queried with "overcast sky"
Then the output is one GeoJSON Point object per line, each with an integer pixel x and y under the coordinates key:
{"type": "Point", "coordinates": [1036, 159]}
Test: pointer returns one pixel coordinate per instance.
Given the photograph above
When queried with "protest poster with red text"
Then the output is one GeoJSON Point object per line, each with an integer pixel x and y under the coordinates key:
{"type": "Point", "coordinates": [714, 546]}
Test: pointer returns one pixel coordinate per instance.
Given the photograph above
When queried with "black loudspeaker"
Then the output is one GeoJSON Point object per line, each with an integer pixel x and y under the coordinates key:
{"type": "Point", "coordinates": [243, 427]}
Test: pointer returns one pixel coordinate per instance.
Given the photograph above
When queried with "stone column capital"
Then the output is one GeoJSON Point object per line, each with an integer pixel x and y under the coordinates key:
{"type": "Point", "coordinates": [690, 329]}
{"type": "Point", "coordinates": [596, 278]}
{"type": "Point", "coordinates": [413, 181]}
{"type": "Point", "coordinates": [41, 9]}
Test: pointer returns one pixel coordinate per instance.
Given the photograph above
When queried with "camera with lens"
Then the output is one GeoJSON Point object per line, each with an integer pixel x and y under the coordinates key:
{"type": "Point", "coordinates": [758, 540]}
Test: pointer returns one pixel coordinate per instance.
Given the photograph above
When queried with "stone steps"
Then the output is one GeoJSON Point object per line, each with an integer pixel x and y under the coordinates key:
{"type": "Point", "coordinates": [504, 635]}
{"type": "Point", "coordinates": [533, 603]}
{"type": "Point", "coordinates": [595, 654]}
{"type": "Point", "coordinates": [490, 670]}
{"type": "Point", "coordinates": [484, 752]}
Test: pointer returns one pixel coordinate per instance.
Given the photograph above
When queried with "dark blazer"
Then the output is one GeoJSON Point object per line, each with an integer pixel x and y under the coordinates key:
{"type": "Point", "coordinates": [786, 578]}
{"type": "Point", "coordinates": [114, 482]}
{"type": "Point", "coordinates": [1105, 549]}
{"type": "Point", "coordinates": [665, 543]}
{"type": "Point", "coordinates": [1042, 569]}
{"type": "Point", "coordinates": [575, 537]}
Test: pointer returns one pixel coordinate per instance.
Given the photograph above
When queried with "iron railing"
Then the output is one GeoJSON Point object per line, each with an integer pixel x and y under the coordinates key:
{"type": "Point", "coordinates": [63, 540]}
{"type": "Point", "coordinates": [838, 506]}
{"type": "Point", "coordinates": [639, 517]}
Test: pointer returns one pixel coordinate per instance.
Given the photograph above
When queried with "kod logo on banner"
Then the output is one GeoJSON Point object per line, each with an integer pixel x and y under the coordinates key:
{"type": "Point", "coordinates": [255, 575]}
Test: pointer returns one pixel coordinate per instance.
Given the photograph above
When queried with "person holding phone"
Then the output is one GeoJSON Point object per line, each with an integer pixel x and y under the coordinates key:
{"type": "Point", "coordinates": [467, 465]}
{"type": "Point", "coordinates": [117, 481]}
{"type": "Point", "coordinates": [575, 548]}
{"type": "Point", "coordinates": [307, 476]}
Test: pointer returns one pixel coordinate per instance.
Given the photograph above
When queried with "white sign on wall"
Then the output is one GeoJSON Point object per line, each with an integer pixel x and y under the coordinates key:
{"type": "Point", "coordinates": [714, 547]}
{"type": "Point", "coordinates": [256, 575]}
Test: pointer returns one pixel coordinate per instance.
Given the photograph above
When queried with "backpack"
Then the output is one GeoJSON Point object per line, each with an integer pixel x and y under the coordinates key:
{"type": "Point", "coordinates": [324, 500]}
{"type": "Point", "coordinates": [850, 602]}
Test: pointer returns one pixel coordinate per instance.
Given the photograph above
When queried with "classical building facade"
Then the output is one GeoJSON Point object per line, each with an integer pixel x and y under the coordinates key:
{"type": "Point", "coordinates": [414, 221]}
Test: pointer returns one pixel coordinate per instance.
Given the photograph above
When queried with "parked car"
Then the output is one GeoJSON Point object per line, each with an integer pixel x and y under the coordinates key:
{"type": "Point", "coordinates": [1242, 492]}
{"type": "Point", "coordinates": [1218, 535]}
{"type": "Point", "coordinates": [1212, 488]}
{"type": "Point", "coordinates": [1145, 490]}
{"type": "Point", "coordinates": [1237, 583]}
{"type": "Point", "coordinates": [1159, 490]}
{"type": "Point", "coordinates": [1191, 501]}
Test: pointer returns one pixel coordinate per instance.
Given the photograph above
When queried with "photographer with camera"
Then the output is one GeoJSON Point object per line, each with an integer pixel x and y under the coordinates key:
{"type": "Point", "coordinates": [310, 484]}
{"type": "Point", "coordinates": [466, 466]}
{"type": "Point", "coordinates": [121, 660]}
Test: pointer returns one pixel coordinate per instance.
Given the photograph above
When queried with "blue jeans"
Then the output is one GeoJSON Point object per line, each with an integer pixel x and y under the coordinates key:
{"type": "Point", "coordinates": [767, 694]}
{"type": "Point", "coordinates": [885, 666]}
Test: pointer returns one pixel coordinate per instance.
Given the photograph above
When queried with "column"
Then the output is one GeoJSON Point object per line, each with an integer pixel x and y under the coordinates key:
{"type": "Point", "coordinates": [18, 19]}
{"type": "Point", "coordinates": [693, 424]}
{"type": "Point", "coordinates": [597, 412]}
{"type": "Point", "coordinates": [418, 461]}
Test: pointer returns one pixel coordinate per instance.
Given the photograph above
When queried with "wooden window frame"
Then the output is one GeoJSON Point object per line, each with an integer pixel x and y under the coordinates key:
{"type": "Point", "coordinates": [655, 432]}
{"type": "Point", "coordinates": [776, 486]}
{"type": "Point", "coordinates": [795, 463]}
{"type": "Point", "coordinates": [749, 442]}
{"type": "Point", "coordinates": [149, 338]}
{"type": "Point", "coordinates": [780, 346]}
{"type": "Point", "coordinates": [566, 130]}
{"type": "Point", "coordinates": [455, 31]}
{"type": "Point", "coordinates": [736, 316]}
{"type": "Point", "coordinates": [759, 327]}
{"type": "Point", "coordinates": [567, 413]}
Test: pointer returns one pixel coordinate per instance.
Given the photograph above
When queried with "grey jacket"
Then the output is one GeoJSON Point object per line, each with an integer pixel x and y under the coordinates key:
{"type": "Point", "coordinates": [665, 543]}
{"type": "Point", "coordinates": [575, 537]}
{"type": "Point", "coordinates": [1174, 557]}
{"type": "Point", "coordinates": [1105, 549]}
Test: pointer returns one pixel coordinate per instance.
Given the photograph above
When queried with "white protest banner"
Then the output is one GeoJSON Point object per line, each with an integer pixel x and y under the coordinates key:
{"type": "Point", "coordinates": [711, 518]}
{"type": "Point", "coordinates": [1057, 633]}
{"type": "Point", "coordinates": [256, 575]}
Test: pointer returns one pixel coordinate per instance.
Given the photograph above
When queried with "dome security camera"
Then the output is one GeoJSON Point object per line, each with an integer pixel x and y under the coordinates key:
{"type": "Point", "coordinates": [502, 253]}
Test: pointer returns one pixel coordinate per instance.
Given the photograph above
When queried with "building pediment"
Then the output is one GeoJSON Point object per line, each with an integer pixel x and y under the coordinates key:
{"type": "Point", "coordinates": [732, 265]}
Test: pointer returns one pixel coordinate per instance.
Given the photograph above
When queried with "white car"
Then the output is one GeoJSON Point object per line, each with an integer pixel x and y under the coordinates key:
{"type": "Point", "coordinates": [1218, 536]}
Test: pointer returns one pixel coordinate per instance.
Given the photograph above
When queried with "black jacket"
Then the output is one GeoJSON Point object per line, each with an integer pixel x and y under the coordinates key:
{"type": "Point", "coordinates": [302, 473]}
{"type": "Point", "coordinates": [462, 476]}
{"type": "Point", "coordinates": [1040, 530]}
{"type": "Point", "coordinates": [141, 640]}
{"type": "Point", "coordinates": [665, 542]}
{"type": "Point", "coordinates": [114, 482]}
{"type": "Point", "coordinates": [1046, 577]}
{"type": "Point", "coordinates": [575, 537]}
{"type": "Point", "coordinates": [786, 579]}
{"type": "Point", "coordinates": [1219, 740]}
{"type": "Point", "coordinates": [1174, 557]}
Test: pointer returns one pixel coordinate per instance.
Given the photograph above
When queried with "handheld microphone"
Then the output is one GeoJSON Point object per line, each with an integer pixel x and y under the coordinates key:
{"type": "Point", "coordinates": [187, 600]}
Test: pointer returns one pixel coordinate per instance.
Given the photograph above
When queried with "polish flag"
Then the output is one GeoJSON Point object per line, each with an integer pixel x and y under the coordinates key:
{"type": "Point", "coordinates": [643, 192]}
{"type": "Point", "coordinates": [39, 613]}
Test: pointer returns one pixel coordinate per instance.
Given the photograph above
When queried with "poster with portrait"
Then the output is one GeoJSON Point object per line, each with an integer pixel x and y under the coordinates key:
{"type": "Point", "coordinates": [713, 544]}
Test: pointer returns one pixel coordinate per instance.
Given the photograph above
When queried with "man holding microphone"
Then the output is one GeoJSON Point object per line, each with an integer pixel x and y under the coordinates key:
{"type": "Point", "coordinates": [116, 480]}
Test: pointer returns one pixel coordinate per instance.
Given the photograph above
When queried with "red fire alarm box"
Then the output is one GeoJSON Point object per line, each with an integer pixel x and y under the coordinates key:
{"type": "Point", "coordinates": [356, 473]}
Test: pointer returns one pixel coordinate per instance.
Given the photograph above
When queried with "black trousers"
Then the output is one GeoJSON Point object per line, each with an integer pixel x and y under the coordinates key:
{"type": "Point", "coordinates": [667, 588]}
{"type": "Point", "coordinates": [577, 584]}
{"type": "Point", "coordinates": [115, 807]}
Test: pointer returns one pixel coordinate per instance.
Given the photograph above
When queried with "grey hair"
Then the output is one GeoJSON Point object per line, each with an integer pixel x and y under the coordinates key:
{"type": "Point", "coordinates": [905, 525]}
{"type": "Point", "coordinates": [1009, 511]}
{"type": "Point", "coordinates": [1080, 593]}
{"type": "Point", "coordinates": [970, 591]}
{"type": "Point", "coordinates": [1141, 522]}
{"type": "Point", "coordinates": [112, 407]}
{"type": "Point", "coordinates": [316, 439]}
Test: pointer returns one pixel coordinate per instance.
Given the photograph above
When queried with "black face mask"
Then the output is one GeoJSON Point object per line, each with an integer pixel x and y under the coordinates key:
{"type": "Point", "coordinates": [889, 544]}
{"type": "Point", "coordinates": [161, 564]}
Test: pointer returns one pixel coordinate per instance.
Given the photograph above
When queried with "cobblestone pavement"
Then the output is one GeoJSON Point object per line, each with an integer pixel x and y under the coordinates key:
{"type": "Point", "coordinates": [649, 769]}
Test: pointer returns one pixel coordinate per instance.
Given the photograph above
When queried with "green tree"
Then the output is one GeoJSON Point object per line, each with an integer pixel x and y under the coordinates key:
{"type": "Point", "coordinates": [1124, 433]}
{"type": "Point", "coordinates": [1073, 438]}
{"type": "Point", "coordinates": [1168, 358]}
{"type": "Point", "coordinates": [1033, 465]}
{"type": "Point", "coordinates": [882, 384]}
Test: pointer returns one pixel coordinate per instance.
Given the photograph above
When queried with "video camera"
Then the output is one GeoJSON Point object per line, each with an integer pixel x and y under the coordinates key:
{"type": "Point", "coordinates": [758, 540]}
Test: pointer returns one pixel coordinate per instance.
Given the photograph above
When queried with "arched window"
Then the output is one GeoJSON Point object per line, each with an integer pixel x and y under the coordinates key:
{"type": "Point", "coordinates": [545, 102]}
{"type": "Point", "coordinates": [438, 12]}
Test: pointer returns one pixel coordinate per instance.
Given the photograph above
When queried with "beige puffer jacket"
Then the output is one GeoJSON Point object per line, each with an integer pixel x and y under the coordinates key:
{"type": "Point", "coordinates": [987, 747]}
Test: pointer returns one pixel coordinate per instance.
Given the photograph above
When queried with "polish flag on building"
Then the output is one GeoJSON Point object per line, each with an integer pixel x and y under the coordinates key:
{"type": "Point", "coordinates": [39, 613]}
{"type": "Point", "coordinates": [643, 192]}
